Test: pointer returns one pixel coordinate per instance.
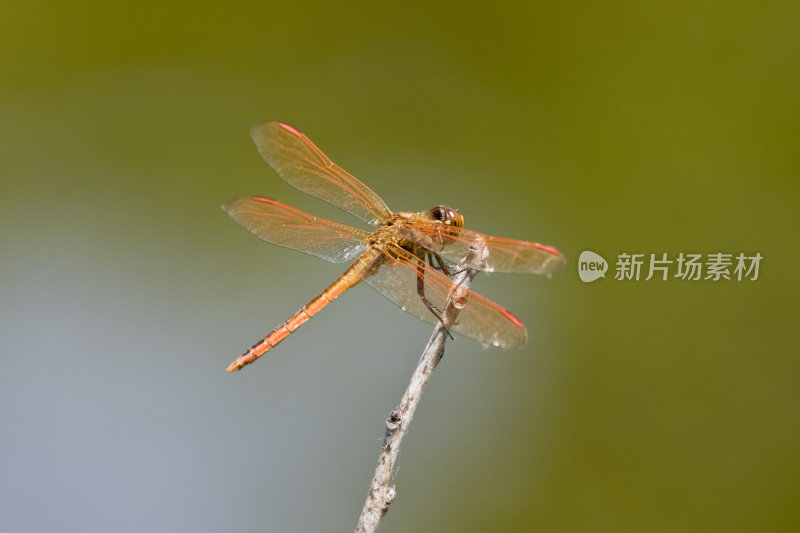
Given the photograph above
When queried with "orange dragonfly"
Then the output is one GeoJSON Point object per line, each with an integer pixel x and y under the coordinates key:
{"type": "Point", "coordinates": [407, 259]}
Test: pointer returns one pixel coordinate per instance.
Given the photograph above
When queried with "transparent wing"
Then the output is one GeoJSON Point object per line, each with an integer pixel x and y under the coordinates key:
{"type": "Point", "coordinates": [298, 161]}
{"type": "Point", "coordinates": [286, 226]}
{"type": "Point", "coordinates": [504, 255]}
{"type": "Point", "coordinates": [481, 319]}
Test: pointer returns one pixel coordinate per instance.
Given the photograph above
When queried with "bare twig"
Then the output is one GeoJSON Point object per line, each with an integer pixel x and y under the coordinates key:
{"type": "Point", "coordinates": [381, 493]}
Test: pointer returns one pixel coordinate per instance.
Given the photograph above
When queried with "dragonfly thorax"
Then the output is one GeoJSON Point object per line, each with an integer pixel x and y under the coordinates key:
{"type": "Point", "coordinates": [429, 230]}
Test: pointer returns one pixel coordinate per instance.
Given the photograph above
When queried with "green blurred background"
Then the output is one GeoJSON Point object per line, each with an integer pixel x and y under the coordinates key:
{"type": "Point", "coordinates": [619, 127]}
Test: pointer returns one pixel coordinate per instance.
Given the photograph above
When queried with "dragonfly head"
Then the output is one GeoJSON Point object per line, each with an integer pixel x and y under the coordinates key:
{"type": "Point", "coordinates": [447, 215]}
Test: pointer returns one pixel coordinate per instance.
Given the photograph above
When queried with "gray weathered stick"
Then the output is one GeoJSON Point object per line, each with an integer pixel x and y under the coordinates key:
{"type": "Point", "coordinates": [381, 493]}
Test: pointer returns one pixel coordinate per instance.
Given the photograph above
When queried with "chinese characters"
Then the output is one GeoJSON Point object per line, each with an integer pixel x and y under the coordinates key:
{"type": "Point", "coordinates": [688, 267]}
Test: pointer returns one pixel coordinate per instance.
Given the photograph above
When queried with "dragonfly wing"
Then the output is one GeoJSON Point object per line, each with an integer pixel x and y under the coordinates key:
{"type": "Point", "coordinates": [286, 226]}
{"type": "Point", "coordinates": [481, 319]}
{"type": "Point", "coordinates": [298, 161]}
{"type": "Point", "coordinates": [504, 255]}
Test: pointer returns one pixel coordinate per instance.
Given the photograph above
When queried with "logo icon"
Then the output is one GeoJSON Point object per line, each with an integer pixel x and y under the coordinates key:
{"type": "Point", "coordinates": [591, 266]}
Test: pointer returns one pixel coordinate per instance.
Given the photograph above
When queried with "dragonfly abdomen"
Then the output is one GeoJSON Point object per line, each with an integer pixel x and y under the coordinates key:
{"type": "Point", "coordinates": [351, 277]}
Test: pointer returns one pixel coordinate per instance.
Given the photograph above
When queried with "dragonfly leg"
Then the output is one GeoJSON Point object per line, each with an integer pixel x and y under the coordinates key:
{"type": "Point", "coordinates": [441, 264]}
{"type": "Point", "coordinates": [421, 292]}
{"type": "Point", "coordinates": [443, 267]}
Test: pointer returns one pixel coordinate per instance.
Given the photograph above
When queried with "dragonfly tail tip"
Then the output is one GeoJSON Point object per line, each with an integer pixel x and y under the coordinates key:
{"type": "Point", "coordinates": [234, 367]}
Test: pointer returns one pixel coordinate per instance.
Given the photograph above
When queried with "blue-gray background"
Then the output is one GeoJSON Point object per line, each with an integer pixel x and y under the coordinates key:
{"type": "Point", "coordinates": [125, 290]}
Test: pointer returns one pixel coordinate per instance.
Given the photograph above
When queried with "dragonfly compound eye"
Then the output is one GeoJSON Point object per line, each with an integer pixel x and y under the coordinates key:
{"type": "Point", "coordinates": [447, 215]}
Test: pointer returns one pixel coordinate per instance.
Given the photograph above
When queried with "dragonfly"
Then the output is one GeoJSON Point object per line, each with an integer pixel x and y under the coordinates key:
{"type": "Point", "coordinates": [409, 258]}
